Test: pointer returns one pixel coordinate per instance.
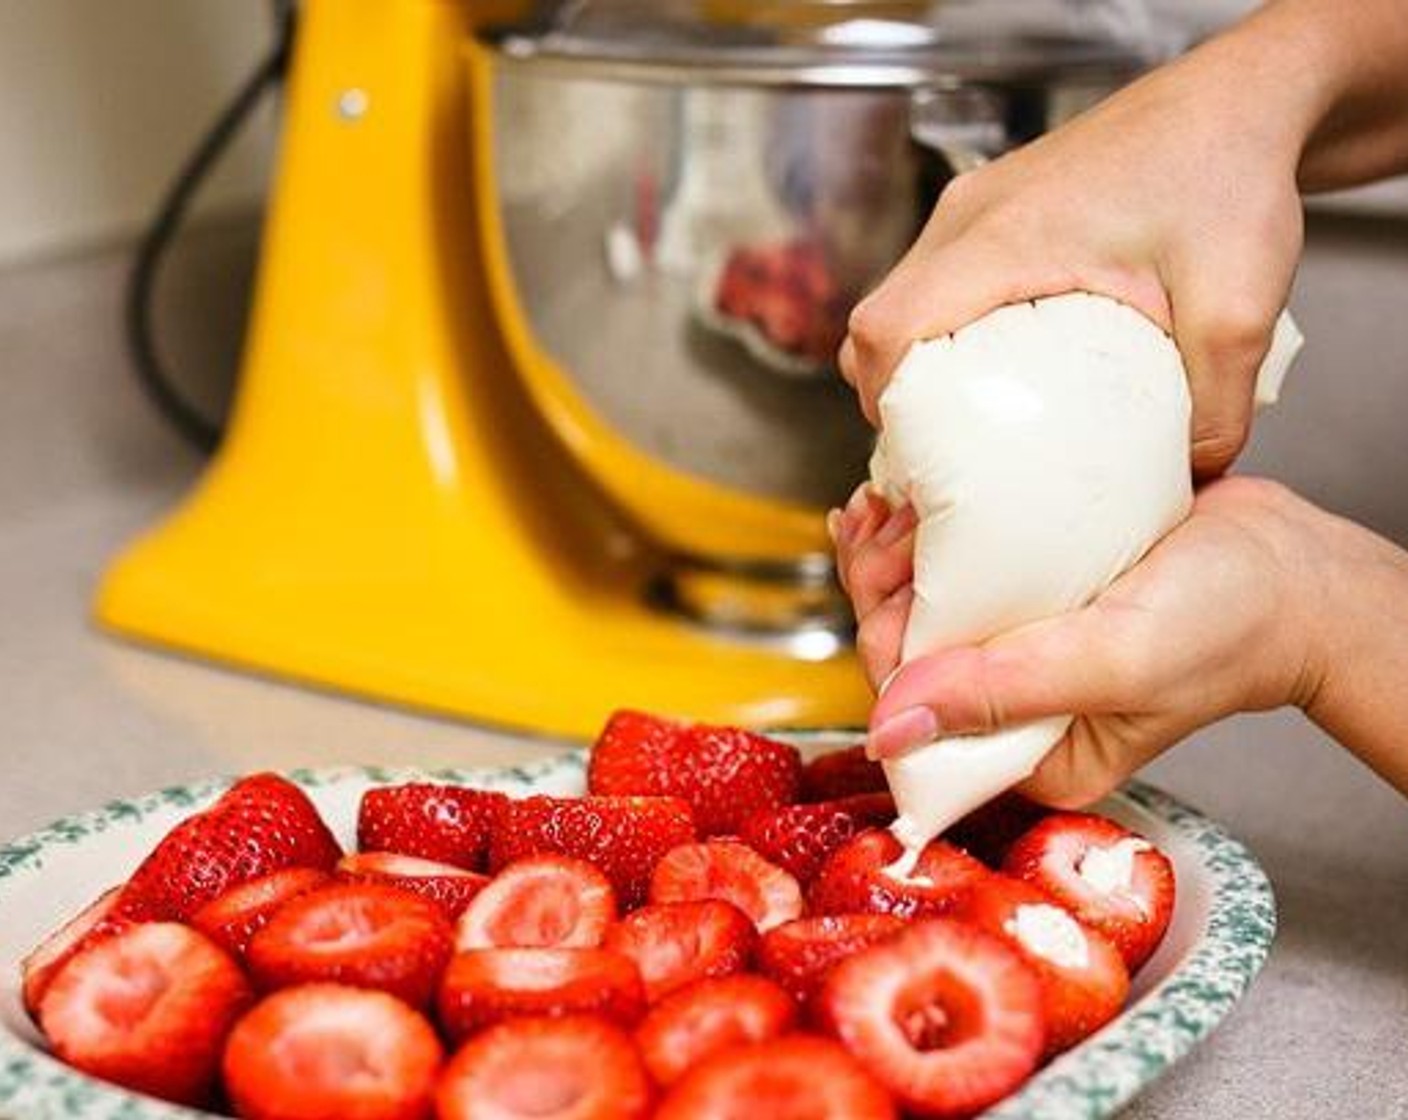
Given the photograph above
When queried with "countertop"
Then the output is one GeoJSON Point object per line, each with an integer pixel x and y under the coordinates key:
{"type": "Point", "coordinates": [84, 464]}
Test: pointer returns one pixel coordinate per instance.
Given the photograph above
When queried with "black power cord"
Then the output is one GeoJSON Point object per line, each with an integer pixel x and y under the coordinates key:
{"type": "Point", "coordinates": [152, 373]}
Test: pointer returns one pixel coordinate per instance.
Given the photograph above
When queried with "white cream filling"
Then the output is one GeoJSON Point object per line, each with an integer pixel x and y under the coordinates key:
{"type": "Point", "coordinates": [1045, 449]}
{"type": "Point", "coordinates": [1111, 870]}
{"type": "Point", "coordinates": [1050, 933]}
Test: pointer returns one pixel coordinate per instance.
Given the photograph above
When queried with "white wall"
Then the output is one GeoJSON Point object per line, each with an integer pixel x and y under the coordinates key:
{"type": "Point", "coordinates": [99, 102]}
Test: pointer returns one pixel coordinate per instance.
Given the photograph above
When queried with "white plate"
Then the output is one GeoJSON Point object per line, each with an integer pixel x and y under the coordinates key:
{"type": "Point", "coordinates": [1220, 934]}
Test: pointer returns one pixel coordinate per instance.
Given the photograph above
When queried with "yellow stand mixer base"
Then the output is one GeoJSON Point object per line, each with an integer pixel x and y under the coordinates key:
{"type": "Point", "coordinates": [388, 515]}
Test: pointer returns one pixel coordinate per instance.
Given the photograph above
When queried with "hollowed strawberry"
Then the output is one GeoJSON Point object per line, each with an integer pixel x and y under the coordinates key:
{"type": "Point", "coordinates": [237, 915]}
{"type": "Point", "coordinates": [1111, 879]}
{"type": "Point", "coordinates": [540, 902]}
{"type": "Point", "coordinates": [451, 888]}
{"type": "Point", "coordinates": [947, 1017]}
{"type": "Point", "coordinates": [322, 1051]}
{"type": "Point", "coordinates": [731, 872]}
{"type": "Point", "coordinates": [361, 934]}
{"type": "Point", "coordinates": [855, 879]}
{"type": "Point", "coordinates": [676, 943]}
{"type": "Point", "coordinates": [575, 1068]}
{"type": "Point", "coordinates": [100, 919]}
{"type": "Point", "coordinates": [800, 954]}
{"type": "Point", "coordinates": [707, 1016]}
{"type": "Point", "coordinates": [147, 1008]}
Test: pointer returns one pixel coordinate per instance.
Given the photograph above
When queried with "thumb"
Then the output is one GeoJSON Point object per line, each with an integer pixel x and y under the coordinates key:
{"type": "Point", "coordinates": [1074, 664]}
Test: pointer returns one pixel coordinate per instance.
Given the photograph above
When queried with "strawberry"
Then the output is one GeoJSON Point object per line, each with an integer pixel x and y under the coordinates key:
{"type": "Point", "coordinates": [797, 1076]}
{"type": "Point", "coordinates": [1111, 879]}
{"type": "Point", "coordinates": [990, 830]}
{"type": "Point", "coordinates": [677, 942]}
{"type": "Point", "coordinates": [798, 955]}
{"type": "Point", "coordinates": [947, 1017]}
{"type": "Point", "coordinates": [362, 934]}
{"type": "Point", "coordinates": [101, 918]}
{"type": "Point", "coordinates": [798, 838]}
{"type": "Point", "coordinates": [854, 879]}
{"type": "Point", "coordinates": [731, 872]}
{"type": "Point", "coordinates": [707, 1016]}
{"type": "Point", "coordinates": [1083, 979]}
{"type": "Point", "coordinates": [147, 1008]}
{"type": "Point", "coordinates": [485, 986]}
{"type": "Point", "coordinates": [540, 902]}
{"type": "Point", "coordinates": [843, 773]}
{"type": "Point", "coordinates": [320, 1051]}
{"type": "Point", "coordinates": [723, 772]}
{"type": "Point", "coordinates": [574, 1068]}
{"type": "Point", "coordinates": [444, 824]}
{"type": "Point", "coordinates": [241, 912]}
{"type": "Point", "coordinates": [262, 824]}
{"type": "Point", "coordinates": [451, 888]}
{"type": "Point", "coordinates": [623, 836]}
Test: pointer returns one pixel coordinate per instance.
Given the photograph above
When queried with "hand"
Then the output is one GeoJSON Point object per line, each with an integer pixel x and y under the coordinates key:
{"type": "Point", "coordinates": [1224, 615]}
{"type": "Point", "coordinates": [1172, 196]}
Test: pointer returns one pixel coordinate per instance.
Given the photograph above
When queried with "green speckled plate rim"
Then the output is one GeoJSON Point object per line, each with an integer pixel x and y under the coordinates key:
{"type": "Point", "coordinates": [1091, 1082]}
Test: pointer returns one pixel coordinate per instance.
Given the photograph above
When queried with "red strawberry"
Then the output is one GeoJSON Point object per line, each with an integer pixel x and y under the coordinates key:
{"type": "Point", "coordinates": [261, 825]}
{"type": "Point", "coordinates": [623, 836]}
{"type": "Point", "coordinates": [798, 838]}
{"type": "Point", "coordinates": [485, 986]}
{"type": "Point", "coordinates": [990, 830]}
{"type": "Point", "coordinates": [324, 1050]}
{"type": "Point", "coordinates": [798, 955]}
{"type": "Point", "coordinates": [147, 1008]}
{"type": "Point", "coordinates": [947, 1017]}
{"type": "Point", "coordinates": [854, 879]}
{"type": "Point", "coordinates": [540, 902]}
{"type": "Point", "coordinates": [1083, 979]}
{"type": "Point", "coordinates": [362, 934]}
{"type": "Point", "coordinates": [678, 942]}
{"type": "Point", "coordinates": [1112, 880]}
{"type": "Point", "coordinates": [575, 1068]}
{"type": "Point", "coordinates": [446, 824]}
{"type": "Point", "coordinates": [241, 912]}
{"type": "Point", "coordinates": [844, 773]}
{"type": "Point", "coordinates": [797, 1076]}
{"type": "Point", "coordinates": [451, 888]}
{"type": "Point", "coordinates": [723, 772]}
{"type": "Point", "coordinates": [731, 872]}
{"type": "Point", "coordinates": [101, 918]}
{"type": "Point", "coordinates": [707, 1016]}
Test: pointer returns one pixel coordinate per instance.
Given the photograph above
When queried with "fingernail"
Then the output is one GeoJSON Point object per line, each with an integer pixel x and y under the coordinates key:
{"type": "Point", "coordinates": [833, 525]}
{"type": "Point", "coordinates": [902, 732]}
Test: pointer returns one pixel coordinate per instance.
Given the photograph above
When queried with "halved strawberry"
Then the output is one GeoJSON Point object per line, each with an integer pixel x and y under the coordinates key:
{"type": "Point", "coordinates": [675, 943]}
{"type": "Point", "coordinates": [800, 954]}
{"type": "Point", "coordinates": [843, 773]}
{"type": "Point", "coordinates": [623, 836]}
{"type": "Point", "coordinates": [797, 1076]}
{"type": "Point", "coordinates": [451, 888]}
{"type": "Point", "coordinates": [947, 1017]}
{"type": "Point", "coordinates": [724, 773]}
{"type": "Point", "coordinates": [262, 824]}
{"type": "Point", "coordinates": [1111, 879]}
{"type": "Point", "coordinates": [443, 823]}
{"type": "Point", "coordinates": [731, 872]}
{"type": "Point", "coordinates": [241, 912]}
{"type": "Point", "coordinates": [855, 880]}
{"type": "Point", "coordinates": [362, 934]}
{"type": "Point", "coordinates": [990, 830]}
{"type": "Point", "coordinates": [147, 1008]}
{"type": "Point", "coordinates": [99, 919]}
{"type": "Point", "coordinates": [1083, 979]}
{"type": "Point", "coordinates": [575, 1068]}
{"type": "Point", "coordinates": [484, 986]}
{"type": "Point", "coordinates": [320, 1051]}
{"type": "Point", "coordinates": [540, 902]}
{"type": "Point", "coordinates": [707, 1016]}
{"type": "Point", "coordinates": [798, 838]}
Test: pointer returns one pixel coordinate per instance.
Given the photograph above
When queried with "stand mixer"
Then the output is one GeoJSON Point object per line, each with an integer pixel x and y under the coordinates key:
{"type": "Point", "coordinates": [485, 250]}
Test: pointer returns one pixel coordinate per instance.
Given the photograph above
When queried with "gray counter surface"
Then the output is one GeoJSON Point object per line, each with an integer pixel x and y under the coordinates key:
{"type": "Point", "coordinates": [84, 464]}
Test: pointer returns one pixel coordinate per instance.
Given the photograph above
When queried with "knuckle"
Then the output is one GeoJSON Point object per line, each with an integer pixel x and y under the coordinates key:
{"type": "Point", "coordinates": [869, 323]}
{"type": "Point", "coordinates": [1238, 336]}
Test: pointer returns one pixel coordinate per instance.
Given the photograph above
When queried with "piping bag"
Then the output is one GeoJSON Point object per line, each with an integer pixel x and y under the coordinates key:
{"type": "Point", "coordinates": [1045, 448]}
